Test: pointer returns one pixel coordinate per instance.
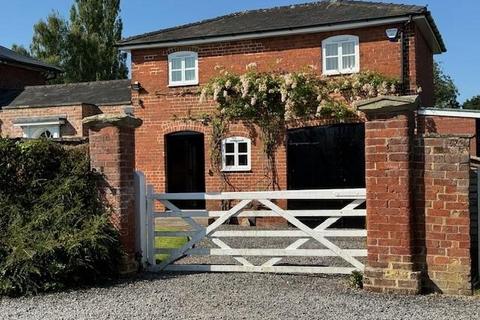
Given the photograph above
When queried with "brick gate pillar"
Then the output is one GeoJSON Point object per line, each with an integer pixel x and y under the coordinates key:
{"type": "Point", "coordinates": [112, 153]}
{"type": "Point", "coordinates": [389, 134]}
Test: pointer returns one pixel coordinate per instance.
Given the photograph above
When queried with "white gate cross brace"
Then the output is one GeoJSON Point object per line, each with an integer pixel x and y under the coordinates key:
{"type": "Point", "coordinates": [197, 237]}
{"type": "Point", "coordinates": [297, 223]}
{"type": "Point", "coordinates": [323, 226]}
{"type": "Point", "coordinates": [197, 227]}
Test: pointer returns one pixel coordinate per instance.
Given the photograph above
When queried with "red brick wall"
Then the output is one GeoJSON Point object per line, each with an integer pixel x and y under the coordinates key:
{"type": "Point", "coordinates": [418, 206]}
{"type": "Point", "coordinates": [450, 125]}
{"type": "Point", "coordinates": [112, 153]}
{"type": "Point", "coordinates": [388, 146]}
{"type": "Point", "coordinates": [442, 214]}
{"type": "Point", "coordinates": [73, 126]}
{"type": "Point", "coordinates": [424, 69]}
{"type": "Point", "coordinates": [158, 105]}
{"type": "Point", "coordinates": [15, 78]}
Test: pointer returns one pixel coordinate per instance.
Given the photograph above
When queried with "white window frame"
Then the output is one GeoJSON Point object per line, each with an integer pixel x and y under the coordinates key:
{"type": "Point", "coordinates": [33, 130]}
{"type": "Point", "coordinates": [182, 55]}
{"type": "Point", "coordinates": [236, 154]}
{"type": "Point", "coordinates": [339, 40]}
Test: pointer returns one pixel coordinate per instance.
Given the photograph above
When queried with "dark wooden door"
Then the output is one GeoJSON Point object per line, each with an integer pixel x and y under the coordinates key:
{"type": "Point", "coordinates": [186, 166]}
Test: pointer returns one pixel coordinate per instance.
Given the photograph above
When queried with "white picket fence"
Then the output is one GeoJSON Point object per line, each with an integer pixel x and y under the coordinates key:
{"type": "Point", "coordinates": [149, 218]}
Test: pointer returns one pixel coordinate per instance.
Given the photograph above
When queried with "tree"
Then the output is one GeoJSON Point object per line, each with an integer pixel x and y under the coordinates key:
{"type": "Point", "coordinates": [84, 46]}
{"type": "Point", "coordinates": [21, 50]}
{"type": "Point", "coordinates": [472, 103]}
{"type": "Point", "coordinates": [95, 27]}
{"type": "Point", "coordinates": [445, 90]}
{"type": "Point", "coordinates": [50, 40]}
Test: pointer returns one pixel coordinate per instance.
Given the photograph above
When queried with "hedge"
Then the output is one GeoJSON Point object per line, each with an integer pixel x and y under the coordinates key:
{"type": "Point", "coordinates": [54, 228]}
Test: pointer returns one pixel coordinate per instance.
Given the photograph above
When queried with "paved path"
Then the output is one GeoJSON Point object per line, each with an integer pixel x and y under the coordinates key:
{"type": "Point", "coordinates": [236, 296]}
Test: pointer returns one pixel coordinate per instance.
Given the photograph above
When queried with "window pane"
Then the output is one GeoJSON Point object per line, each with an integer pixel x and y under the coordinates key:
{"type": "Point", "coordinates": [242, 147]}
{"type": "Point", "coordinates": [176, 64]}
{"type": "Point", "coordinates": [348, 62]}
{"type": "Point", "coordinates": [331, 49]}
{"type": "Point", "coordinates": [230, 160]}
{"type": "Point", "coordinates": [230, 147]}
{"type": "Point", "coordinates": [189, 75]}
{"type": "Point", "coordinates": [190, 62]}
{"type": "Point", "coordinates": [348, 48]}
{"type": "Point", "coordinates": [243, 160]}
{"type": "Point", "coordinates": [176, 76]}
{"type": "Point", "coordinates": [332, 63]}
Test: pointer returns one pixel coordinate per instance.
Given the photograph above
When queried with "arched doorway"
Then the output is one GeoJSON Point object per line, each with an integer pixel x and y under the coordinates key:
{"type": "Point", "coordinates": [185, 165]}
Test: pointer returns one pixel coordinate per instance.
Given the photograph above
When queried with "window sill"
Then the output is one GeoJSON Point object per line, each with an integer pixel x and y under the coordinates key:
{"type": "Point", "coordinates": [186, 84]}
{"type": "Point", "coordinates": [236, 170]}
{"type": "Point", "coordinates": [340, 73]}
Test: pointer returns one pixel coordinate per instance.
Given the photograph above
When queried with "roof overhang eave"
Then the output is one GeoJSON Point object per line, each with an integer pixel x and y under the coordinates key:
{"type": "Point", "coordinates": [427, 26]}
{"type": "Point", "coordinates": [264, 34]}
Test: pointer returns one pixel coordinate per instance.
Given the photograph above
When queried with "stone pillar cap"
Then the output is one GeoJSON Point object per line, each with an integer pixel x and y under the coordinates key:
{"type": "Point", "coordinates": [112, 120]}
{"type": "Point", "coordinates": [389, 104]}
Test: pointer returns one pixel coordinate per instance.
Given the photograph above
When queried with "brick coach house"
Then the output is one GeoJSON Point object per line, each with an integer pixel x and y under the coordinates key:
{"type": "Point", "coordinates": [331, 37]}
{"type": "Point", "coordinates": [31, 109]}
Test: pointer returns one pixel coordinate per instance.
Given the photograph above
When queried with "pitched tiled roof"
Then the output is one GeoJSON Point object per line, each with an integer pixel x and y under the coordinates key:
{"type": "Point", "coordinates": [9, 56]}
{"type": "Point", "coordinates": [113, 92]}
{"type": "Point", "coordinates": [313, 14]}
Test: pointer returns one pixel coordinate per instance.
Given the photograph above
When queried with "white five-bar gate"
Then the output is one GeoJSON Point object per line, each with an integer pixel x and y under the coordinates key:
{"type": "Point", "coordinates": [299, 232]}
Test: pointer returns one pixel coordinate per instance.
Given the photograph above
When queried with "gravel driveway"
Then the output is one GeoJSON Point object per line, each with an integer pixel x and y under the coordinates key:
{"type": "Point", "coordinates": [235, 296]}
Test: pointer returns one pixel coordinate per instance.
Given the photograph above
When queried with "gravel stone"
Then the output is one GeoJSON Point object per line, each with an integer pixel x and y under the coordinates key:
{"type": "Point", "coordinates": [235, 296]}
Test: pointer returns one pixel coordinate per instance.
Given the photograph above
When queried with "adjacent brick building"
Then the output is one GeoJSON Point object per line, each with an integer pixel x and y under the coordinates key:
{"type": "Point", "coordinates": [18, 71]}
{"type": "Point", "coordinates": [57, 110]}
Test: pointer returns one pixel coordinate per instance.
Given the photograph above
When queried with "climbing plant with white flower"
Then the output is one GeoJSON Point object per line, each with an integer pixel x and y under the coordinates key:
{"type": "Point", "coordinates": [270, 100]}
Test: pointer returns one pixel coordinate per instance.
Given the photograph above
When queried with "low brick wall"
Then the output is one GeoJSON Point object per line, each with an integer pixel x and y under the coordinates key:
{"type": "Point", "coordinates": [419, 209]}
{"type": "Point", "coordinates": [474, 215]}
{"type": "Point", "coordinates": [442, 212]}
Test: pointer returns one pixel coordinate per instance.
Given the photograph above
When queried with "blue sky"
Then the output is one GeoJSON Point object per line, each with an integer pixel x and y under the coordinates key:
{"type": "Point", "coordinates": [458, 21]}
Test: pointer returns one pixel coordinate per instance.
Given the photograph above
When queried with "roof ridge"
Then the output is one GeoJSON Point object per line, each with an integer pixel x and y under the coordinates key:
{"type": "Point", "coordinates": [238, 13]}
{"type": "Point", "coordinates": [369, 3]}
{"type": "Point", "coordinates": [85, 83]}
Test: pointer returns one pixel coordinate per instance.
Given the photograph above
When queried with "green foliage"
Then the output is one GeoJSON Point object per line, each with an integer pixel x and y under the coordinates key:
{"type": "Point", "coordinates": [356, 280]}
{"type": "Point", "coordinates": [445, 90]}
{"type": "Point", "coordinates": [472, 103]}
{"type": "Point", "coordinates": [54, 229]}
{"type": "Point", "coordinates": [18, 48]}
{"type": "Point", "coordinates": [84, 46]}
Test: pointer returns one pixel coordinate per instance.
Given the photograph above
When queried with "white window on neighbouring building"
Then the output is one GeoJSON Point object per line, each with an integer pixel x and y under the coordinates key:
{"type": "Point", "coordinates": [183, 68]}
{"type": "Point", "coordinates": [341, 55]}
{"type": "Point", "coordinates": [236, 154]}
{"type": "Point", "coordinates": [40, 127]}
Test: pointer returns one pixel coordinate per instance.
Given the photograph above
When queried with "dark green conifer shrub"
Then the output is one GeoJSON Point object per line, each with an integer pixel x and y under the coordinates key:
{"type": "Point", "coordinates": [54, 228]}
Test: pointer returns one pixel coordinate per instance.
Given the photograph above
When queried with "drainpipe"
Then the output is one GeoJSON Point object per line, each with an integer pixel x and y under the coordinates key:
{"type": "Point", "coordinates": [403, 75]}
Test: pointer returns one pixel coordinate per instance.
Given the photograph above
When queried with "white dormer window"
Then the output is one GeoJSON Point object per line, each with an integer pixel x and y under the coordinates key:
{"type": "Point", "coordinates": [236, 154]}
{"type": "Point", "coordinates": [183, 68]}
{"type": "Point", "coordinates": [341, 54]}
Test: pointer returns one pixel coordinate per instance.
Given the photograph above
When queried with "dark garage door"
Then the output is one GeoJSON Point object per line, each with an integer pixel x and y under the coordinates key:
{"type": "Point", "coordinates": [326, 157]}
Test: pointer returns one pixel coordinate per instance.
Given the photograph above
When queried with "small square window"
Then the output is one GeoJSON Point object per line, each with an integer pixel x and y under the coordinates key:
{"type": "Point", "coordinates": [230, 160]}
{"type": "Point", "coordinates": [236, 154]}
{"type": "Point", "coordinates": [189, 75]}
{"type": "Point", "coordinates": [230, 147]}
{"type": "Point", "coordinates": [176, 76]}
{"type": "Point", "coordinates": [341, 55]}
{"type": "Point", "coordinates": [183, 68]}
{"type": "Point", "coordinates": [242, 147]}
{"type": "Point", "coordinates": [242, 160]}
